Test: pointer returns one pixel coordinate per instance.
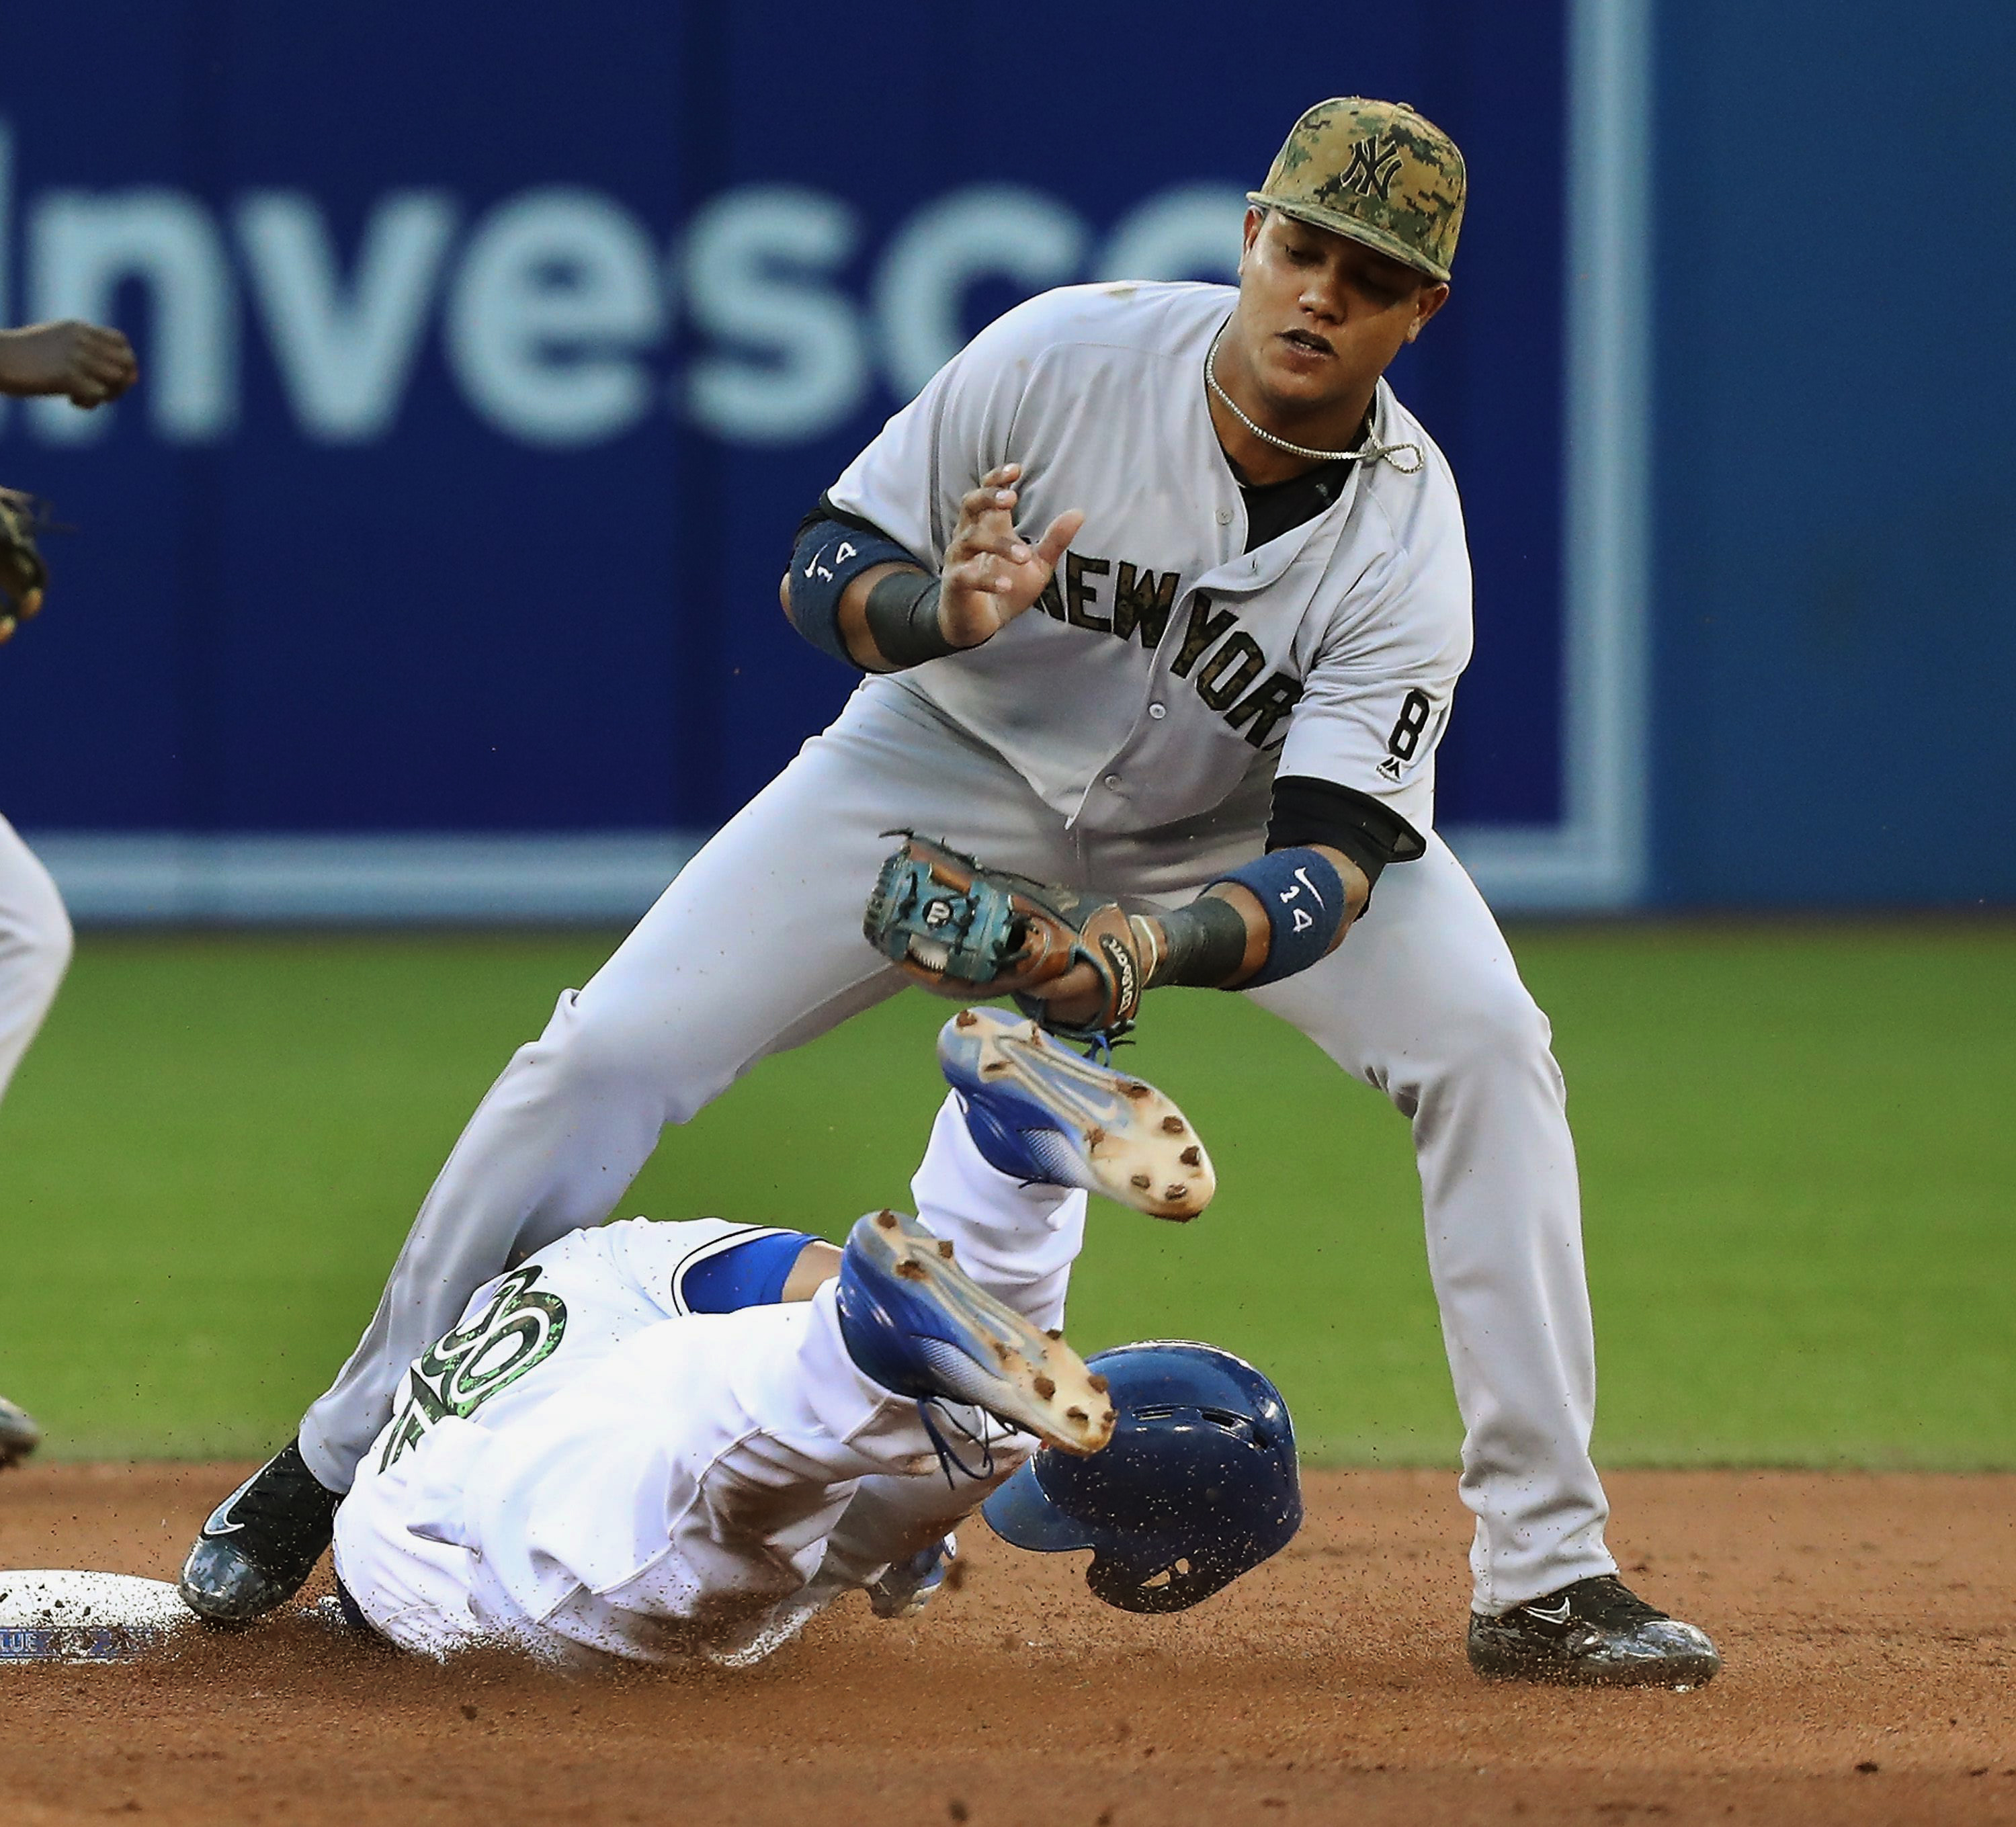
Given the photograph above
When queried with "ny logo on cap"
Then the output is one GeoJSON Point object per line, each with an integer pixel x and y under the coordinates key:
{"type": "Point", "coordinates": [1374, 164]}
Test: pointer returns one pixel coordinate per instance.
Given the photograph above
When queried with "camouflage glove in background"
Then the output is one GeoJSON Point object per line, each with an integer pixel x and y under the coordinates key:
{"type": "Point", "coordinates": [24, 576]}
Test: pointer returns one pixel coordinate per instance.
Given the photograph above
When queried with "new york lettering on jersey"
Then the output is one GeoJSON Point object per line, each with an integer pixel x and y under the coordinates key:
{"type": "Point", "coordinates": [1139, 607]}
{"type": "Point", "coordinates": [1170, 660]}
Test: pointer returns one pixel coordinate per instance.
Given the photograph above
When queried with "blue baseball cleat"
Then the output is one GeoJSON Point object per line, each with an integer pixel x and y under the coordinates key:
{"type": "Point", "coordinates": [1037, 1111]}
{"type": "Point", "coordinates": [915, 1322]}
{"type": "Point", "coordinates": [910, 1585]}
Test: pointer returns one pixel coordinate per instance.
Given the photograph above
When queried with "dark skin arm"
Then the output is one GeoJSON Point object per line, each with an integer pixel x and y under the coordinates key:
{"type": "Point", "coordinates": [992, 574]}
{"type": "Point", "coordinates": [1357, 891]}
{"type": "Point", "coordinates": [86, 363]}
{"type": "Point", "coordinates": [1076, 997]}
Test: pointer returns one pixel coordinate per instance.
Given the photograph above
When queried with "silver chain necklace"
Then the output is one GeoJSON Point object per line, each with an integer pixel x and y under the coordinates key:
{"type": "Point", "coordinates": [1371, 451]}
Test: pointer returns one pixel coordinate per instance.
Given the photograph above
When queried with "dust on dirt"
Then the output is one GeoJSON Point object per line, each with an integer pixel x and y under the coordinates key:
{"type": "Point", "coordinates": [1868, 1623]}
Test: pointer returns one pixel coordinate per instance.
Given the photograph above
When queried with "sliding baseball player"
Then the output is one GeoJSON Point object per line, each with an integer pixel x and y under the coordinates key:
{"type": "Point", "coordinates": [664, 1442]}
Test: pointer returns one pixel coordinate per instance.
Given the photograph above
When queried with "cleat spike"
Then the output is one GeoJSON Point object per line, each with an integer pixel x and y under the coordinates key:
{"type": "Point", "coordinates": [1054, 1334]}
{"type": "Point", "coordinates": [887, 1221]}
{"type": "Point", "coordinates": [1076, 1414]}
{"type": "Point", "coordinates": [1042, 1114]}
{"type": "Point", "coordinates": [945, 1249]}
{"type": "Point", "coordinates": [1099, 1382]}
{"type": "Point", "coordinates": [1176, 1193]}
{"type": "Point", "coordinates": [966, 1018]}
{"type": "Point", "coordinates": [915, 1322]}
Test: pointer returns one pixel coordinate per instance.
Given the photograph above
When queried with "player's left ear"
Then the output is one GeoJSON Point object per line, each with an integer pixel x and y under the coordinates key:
{"type": "Point", "coordinates": [1428, 301]}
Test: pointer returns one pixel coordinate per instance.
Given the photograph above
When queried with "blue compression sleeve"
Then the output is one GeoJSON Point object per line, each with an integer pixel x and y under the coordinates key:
{"type": "Point", "coordinates": [1303, 896]}
{"type": "Point", "coordinates": [828, 556]}
{"type": "Point", "coordinates": [751, 1275]}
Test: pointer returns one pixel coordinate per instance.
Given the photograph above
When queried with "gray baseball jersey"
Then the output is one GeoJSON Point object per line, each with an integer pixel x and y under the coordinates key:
{"type": "Point", "coordinates": [1165, 663]}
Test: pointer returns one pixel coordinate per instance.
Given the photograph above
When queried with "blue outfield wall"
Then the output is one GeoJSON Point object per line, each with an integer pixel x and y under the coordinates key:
{"type": "Point", "coordinates": [431, 569]}
{"type": "Point", "coordinates": [1835, 560]}
{"type": "Point", "coordinates": [489, 363]}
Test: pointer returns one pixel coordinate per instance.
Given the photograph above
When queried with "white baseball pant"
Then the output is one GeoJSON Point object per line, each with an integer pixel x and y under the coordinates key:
{"type": "Point", "coordinates": [34, 947]}
{"type": "Point", "coordinates": [757, 948]}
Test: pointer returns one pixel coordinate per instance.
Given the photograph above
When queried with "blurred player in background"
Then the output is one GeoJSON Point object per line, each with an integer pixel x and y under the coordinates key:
{"type": "Point", "coordinates": [89, 365]}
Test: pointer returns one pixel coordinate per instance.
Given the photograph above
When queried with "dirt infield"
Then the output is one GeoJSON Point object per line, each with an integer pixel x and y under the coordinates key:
{"type": "Point", "coordinates": [1868, 1622]}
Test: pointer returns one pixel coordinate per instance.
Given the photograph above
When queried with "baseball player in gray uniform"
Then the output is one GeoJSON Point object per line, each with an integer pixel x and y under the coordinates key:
{"type": "Point", "coordinates": [1163, 596]}
{"type": "Point", "coordinates": [89, 364]}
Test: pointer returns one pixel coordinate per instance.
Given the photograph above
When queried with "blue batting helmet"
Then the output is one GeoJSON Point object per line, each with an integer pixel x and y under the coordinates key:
{"type": "Point", "coordinates": [1197, 1486]}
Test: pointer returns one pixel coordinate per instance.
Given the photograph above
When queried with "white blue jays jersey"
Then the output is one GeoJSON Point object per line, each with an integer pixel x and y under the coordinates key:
{"type": "Point", "coordinates": [520, 1492]}
{"type": "Point", "coordinates": [583, 1296]}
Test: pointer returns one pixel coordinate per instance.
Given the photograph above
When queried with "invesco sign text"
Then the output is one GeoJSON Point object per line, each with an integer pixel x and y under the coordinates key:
{"type": "Point", "coordinates": [557, 307]}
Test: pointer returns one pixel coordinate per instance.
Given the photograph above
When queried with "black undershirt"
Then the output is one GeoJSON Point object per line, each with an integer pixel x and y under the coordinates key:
{"type": "Point", "coordinates": [1306, 810]}
{"type": "Point", "coordinates": [1275, 507]}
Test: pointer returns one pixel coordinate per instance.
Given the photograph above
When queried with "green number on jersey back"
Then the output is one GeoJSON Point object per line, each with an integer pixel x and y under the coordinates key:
{"type": "Point", "coordinates": [459, 1372]}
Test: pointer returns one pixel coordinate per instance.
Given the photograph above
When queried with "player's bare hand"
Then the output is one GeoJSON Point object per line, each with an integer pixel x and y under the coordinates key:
{"type": "Point", "coordinates": [992, 573]}
{"type": "Point", "coordinates": [87, 363]}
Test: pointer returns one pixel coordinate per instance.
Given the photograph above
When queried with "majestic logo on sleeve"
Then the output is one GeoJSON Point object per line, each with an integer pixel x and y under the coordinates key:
{"type": "Point", "coordinates": [1222, 661]}
{"type": "Point", "coordinates": [1405, 743]}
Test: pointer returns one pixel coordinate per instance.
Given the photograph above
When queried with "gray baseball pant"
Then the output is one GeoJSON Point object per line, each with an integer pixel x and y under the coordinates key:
{"type": "Point", "coordinates": [757, 948]}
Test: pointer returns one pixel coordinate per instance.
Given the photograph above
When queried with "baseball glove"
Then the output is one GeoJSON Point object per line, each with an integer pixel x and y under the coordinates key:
{"type": "Point", "coordinates": [961, 929]}
{"type": "Point", "coordinates": [24, 576]}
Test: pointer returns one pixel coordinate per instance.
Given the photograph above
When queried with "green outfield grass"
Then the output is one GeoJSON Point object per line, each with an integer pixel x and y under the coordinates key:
{"type": "Point", "coordinates": [1797, 1155]}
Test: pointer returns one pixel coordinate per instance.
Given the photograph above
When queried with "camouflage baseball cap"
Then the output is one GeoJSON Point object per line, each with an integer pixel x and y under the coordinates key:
{"type": "Point", "coordinates": [1377, 172]}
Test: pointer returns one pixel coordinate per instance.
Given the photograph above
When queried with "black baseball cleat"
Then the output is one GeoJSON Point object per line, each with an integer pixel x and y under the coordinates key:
{"type": "Point", "coordinates": [1597, 1633]}
{"type": "Point", "coordinates": [262, 1543]}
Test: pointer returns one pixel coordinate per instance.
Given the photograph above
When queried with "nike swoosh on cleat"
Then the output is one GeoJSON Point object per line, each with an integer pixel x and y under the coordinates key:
{"type": "Point", "coordinates": [1551, 1617]}
{"type": "Point", "coordinates": [220, 1522]}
